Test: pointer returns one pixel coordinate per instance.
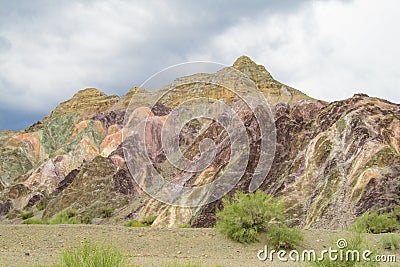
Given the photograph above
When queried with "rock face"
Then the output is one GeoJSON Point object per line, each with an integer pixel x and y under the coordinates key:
{"type": "Point", "coordinates": [333, 161]}
{"type": "Point", "coordinates": [98, 184]}
{"type": "Point", "coordinates": [338, 164]}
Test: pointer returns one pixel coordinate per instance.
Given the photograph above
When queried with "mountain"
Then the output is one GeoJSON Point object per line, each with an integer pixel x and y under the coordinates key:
{"type": "Point", "coordinates": [333, 161]}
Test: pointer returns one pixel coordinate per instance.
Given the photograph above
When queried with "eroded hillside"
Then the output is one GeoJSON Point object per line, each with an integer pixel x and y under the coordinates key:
{"type": "Point", "coordinates": [332, 162]}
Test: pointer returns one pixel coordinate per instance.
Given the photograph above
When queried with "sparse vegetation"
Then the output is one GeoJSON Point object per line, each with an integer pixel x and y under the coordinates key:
{"type": "Point", "coordinates": [283, 237]}
{"type": "Point", "coordinates": [87, 218]}
{"type": "Point", "coordinates": [65, 217]}
{"type": "Point", "coordinates": [35, 221]}
{"type": "Point", "coordinates": [247, 215]}
{"type": "Point", "coordinates": [106, 212]}
{"type": "Point", "coordinates": [134, 223]}
{"type": "Point", "coordinates": [149, 220]}
{"type": "Point", "coordinates": [182, 253]}
{"type": "Point", "coordinates": [375, 223]}
{"type": "Point", "coordinates": [143, 223]}
{"type": "Point", "coordinates": [390, 242]}
{"type": "Point", "coordinates": [91, 256]}
{"type": "Point", "coordinates": [13, 214]}
{"type": "Point", "coordinates": [42, 203]}
{"type": "Point", "coordinates": [27, 215]}
{"type": "Point", "coordinates": [396, 212]}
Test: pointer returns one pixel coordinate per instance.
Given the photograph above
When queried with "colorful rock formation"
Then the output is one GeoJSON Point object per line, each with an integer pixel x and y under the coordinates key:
{"type": "Point", "coordinates": [333, 162]}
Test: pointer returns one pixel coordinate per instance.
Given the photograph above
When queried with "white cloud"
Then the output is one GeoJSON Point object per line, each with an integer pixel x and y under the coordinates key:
{"type": "Point", "coordinates": [330, 50]}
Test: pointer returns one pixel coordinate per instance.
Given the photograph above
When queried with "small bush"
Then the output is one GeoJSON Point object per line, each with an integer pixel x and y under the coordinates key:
{"type": "Point", "coordinates": [245, 216]}
{"type": "Point", "coordinates": [391, 242]}
{"type": "Point", "coordinates": [396, 213]}
{"type": "Point", "coordinates": [42, 204]}
{"type": "Point", "coordinates": [144, 223]}
{"type": "Point", "coordinates": [27, 215]}
{"type": "Point", "coordinates": [87, 218]}
{"type": "Point", "coordinates": [91, 256]}
{"type": "Point", "coordinates": [283, 237]}
{"type": "Point", "coordinates": [65, 217]}
{"type": "Point", "coordinates": [375, 223]}
{"type": "Point", "coordinates": [134, 223]}
{"type": "Point", "coordinates": [106, 212]}
{"type": "Point", "coordinates": [149, 220]}
{"type": "Point", "coordinates": [186, 225]}
{"type": "Point", "coordinates": [13, 214]}
{"type": "Point", "coordinates": [35, 221]}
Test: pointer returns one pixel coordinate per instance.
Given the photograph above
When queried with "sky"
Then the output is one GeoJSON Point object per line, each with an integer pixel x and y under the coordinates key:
{"type": "Point", "coordinates": [330, 50]}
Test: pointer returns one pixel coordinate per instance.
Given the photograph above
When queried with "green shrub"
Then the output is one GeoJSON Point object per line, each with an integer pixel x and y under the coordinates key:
{"type": "Point", "coordinates": [245, 216]}
{"type": "Point", "coordinates": [42, 203]}
{"type": "Point", "coordinates": [106, 212]}
{"type": "Point", "coordinates": [134, 223]}
{"type": "Point", "coordinates": [91, 256]}
{"type": "Point", "coordinates": [391, 242]}
{"type": "Point", "coordinates": [144, 223]}
{"type": "Point", "coordinates": [375, 223]}
{"type": "Point", "coordinates": [87, 218]}
{"type": "Point", "coordinates": [283, 237]}
{"type": "Point", "coordinates": [13, 214]}
{"type": "Point", "coordinates": [396, 213]}
{"type": "Point", "coordinates": [27, 215]}
{"type": "Point", "coordinates": [70, 213]}
{"type": "Point", "coordinates": [185, 225]}
{"type": "Point", "coordinates": [65, 217]}
{"type": "Point", "coordinates": [149, 220]}
{"type": "Point", "coordinates": [35, 221]}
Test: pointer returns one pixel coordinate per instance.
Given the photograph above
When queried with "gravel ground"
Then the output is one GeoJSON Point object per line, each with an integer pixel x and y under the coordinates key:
{"type": "Point", "coordinates": [28, 245]}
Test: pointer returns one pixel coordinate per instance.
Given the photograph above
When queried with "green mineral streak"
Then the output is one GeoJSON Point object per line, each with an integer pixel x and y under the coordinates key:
{"type": "Point", "coordinates": [89, 132]}
{"type": "Point", "coordinates": [385, 157]}
{"type": "Point", "coordinates": [322, 152]}
{"type": "Point", "coordinates": [331, 185]}
{"type": "Point", "coordinates": [15, 161]}
{"type": "Point", "coordinates": [57, 131]}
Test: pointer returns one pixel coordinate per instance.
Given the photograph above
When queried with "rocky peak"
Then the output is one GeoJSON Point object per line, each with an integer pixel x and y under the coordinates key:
{"type": "Point", "coordinates": [88, 100]}
{"type": "Point", "coordinates": [250, 68]}
{"type": "Point", "coordinates": [243, 61]}
{"type": "Point", "coordinates": [89, 92]}
{"type": "Point", "coordinates": [274, 91]}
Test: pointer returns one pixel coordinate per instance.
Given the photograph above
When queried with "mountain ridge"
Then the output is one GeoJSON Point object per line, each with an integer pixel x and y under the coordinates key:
{"type": "Point", "coordinates": [331, 158]}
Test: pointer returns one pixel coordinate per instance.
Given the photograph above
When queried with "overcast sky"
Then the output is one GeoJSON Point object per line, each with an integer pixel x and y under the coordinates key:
{"type": "Point", "coordinates": [328, 49]}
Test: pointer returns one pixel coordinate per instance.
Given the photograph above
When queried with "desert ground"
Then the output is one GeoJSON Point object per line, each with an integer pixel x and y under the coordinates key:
{"type": "Point", "coordinates": [30, 245]}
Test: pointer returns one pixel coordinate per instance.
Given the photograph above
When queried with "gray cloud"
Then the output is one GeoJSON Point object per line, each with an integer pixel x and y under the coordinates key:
{"type": "Point", "coordinates": [5, 45]}
{"type": "Point", "coordinates": [51, 49]}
